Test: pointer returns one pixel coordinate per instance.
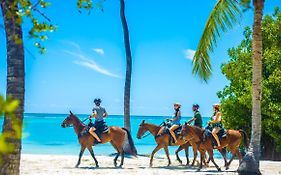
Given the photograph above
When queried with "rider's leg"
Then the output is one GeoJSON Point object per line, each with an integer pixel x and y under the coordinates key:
{"type": "Point", "coordinates": [214, 133]}
{"type": "Point", "coordinates": [174, 127]}
{"type": "Point", "coordinates": [93, 133]}
{"type": "Point", "coordinates": [161, 131]}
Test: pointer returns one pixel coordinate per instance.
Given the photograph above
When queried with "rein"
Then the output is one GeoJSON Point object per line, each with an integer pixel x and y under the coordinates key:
{"type": "Point", "coordinates": [149, 133]}
{"type": "Point", "coordinates": [146, 135]}
{"type": "Point", "coordinates": [69, 126]}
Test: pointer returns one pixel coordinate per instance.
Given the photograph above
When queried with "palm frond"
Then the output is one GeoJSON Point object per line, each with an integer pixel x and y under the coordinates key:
{"type": "Point", "coordinates": [224, 16]}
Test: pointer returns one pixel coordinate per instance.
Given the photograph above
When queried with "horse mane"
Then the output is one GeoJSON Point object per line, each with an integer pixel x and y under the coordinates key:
{"type": "Point", "coordinates": [79, 121]}
{"type": "Point", "coordinates": [198, 131]}
{"type": "Point", "coordinates": [157, 128]}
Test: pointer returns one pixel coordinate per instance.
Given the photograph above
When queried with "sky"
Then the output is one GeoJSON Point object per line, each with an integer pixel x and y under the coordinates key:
{"type": "Point", "coordinates": [85, 58]}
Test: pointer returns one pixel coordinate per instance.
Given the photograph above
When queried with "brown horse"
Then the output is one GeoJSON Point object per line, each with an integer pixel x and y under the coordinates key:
{"type": "Point", "coordinates": [232, 141]}
{"type": "Point", "coordinates": [163, 142]}
{"type": "Point", "coordinates": [118, 137]}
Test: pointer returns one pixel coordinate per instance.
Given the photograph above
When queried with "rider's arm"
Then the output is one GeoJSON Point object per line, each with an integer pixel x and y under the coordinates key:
{"type": "Point", "coordinates": [191, 120]}
{"type": "Point", "coordinates": [105, 114]}
{"type": "Point", "coordinates": [94, 114]}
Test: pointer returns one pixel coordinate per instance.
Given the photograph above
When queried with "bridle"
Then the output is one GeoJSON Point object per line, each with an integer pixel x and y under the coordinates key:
{"type": "Point", "coordinates": [71, 125]}
{"type": "Point", "coordinates": [149, 133]}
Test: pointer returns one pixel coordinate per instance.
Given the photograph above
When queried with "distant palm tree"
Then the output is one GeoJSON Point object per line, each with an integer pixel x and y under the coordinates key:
{"type": "Point", "coordinates": [15, 84]}
{"type": "Point", "coordinates": [224, 15]}
{"type": "Point", "coordinates": [127, 90]}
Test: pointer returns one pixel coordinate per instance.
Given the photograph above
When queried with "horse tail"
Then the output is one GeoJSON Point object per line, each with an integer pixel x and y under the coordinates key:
{"type": "Point", "coordinates": [128, 145]}
{"type": "Point", "coordinates": [245, 138]}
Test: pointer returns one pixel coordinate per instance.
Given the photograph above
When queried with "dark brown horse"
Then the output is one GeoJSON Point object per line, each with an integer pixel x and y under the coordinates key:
{"type": "Point", "coordinates": [232, 141]}
{"type": "Point", "coordinates": [163, 142]}
{"type": "Point", "coordinates": [118, 137]}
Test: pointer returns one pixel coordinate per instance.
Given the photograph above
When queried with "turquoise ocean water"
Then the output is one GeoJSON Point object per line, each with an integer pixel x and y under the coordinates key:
{"type": "Point", "coordinates": [43, 134]}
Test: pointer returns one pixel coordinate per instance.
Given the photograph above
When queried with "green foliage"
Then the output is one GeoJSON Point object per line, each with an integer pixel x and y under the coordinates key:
{"type": "Point", "coordinates": [8, 108]}
{"type": "Point", "coordinates": [236, 97]}
{"type": "Point", "coordinates": [40, 23]}
{"type": "Point", "coordinates": [225, 14]}
{"type": "Point", "coordinates": [88, 5]}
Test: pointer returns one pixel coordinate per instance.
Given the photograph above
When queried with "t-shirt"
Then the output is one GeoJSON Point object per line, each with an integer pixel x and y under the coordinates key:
{"type": "Point", "coordinates": [198, 122]}
{"type": "Point", "coordinates": [100, 111]}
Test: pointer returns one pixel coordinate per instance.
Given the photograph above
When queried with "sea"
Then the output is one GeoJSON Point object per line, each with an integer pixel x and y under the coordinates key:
{"type": "Point", "coordinates": [43, 134]}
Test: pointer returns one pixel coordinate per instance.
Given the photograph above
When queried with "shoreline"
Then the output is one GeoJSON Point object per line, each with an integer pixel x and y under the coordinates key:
{"type": "Point", "coordinates": [64, 164]}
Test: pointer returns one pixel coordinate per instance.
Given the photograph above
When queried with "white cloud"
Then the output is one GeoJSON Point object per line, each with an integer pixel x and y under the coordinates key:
{"type": "Point", "coordinates": [189, 54]}
{"type": "Point", "coordinates": [99, 51]}
{"type": "Point", "coordinates": [86, 62]}
{"type": "Point", "coordinates": [72, 43]}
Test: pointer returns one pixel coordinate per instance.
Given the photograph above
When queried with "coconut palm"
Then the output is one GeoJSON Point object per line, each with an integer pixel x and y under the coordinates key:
{"type": "Point", "coordinates": [15, 84]}
{"type": "Point", "coordinates": [127, 90]}
{"type": "Point", "coordinates": [223, 17]}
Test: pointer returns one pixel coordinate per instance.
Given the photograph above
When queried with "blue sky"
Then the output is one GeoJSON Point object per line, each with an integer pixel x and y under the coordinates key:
{"type": "Point", "coordinates": [85, 58]}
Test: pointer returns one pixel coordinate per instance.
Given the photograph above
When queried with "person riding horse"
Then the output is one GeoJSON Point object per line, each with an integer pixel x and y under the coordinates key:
{"type": "Point", "coordinates": [175, 122]}
{"type": "Point", "coordinates": [216, 124]}
{"type": "Point", "coordinates": [197, 118]}
{"type": "Point", "coordinates": [99, 113]}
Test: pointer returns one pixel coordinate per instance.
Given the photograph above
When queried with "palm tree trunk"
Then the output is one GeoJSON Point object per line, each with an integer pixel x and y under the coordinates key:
{"type": "Point", "coordinates": [15, 86]}
{"type": "Point", "coordinates": [250, 163]}
{"type": "Point", "coordinates": [127, 123]}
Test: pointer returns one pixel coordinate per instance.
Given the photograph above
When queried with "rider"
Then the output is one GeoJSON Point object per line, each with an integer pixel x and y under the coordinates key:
{"type": "Point", "coordinates": [197, 118]}
{"type": "Point", "coordinates": [99, 113]}
{"type": "Point", "coordinates": [175, 122]}
{"type": "Point", "coordinates": [216, 123]}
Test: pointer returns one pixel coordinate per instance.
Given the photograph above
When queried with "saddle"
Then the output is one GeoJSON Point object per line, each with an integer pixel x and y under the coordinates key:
{"type": "Point", "coordinates": [101, 128]}
{"type": "Point", "coordinates": [208, 134]}
{"type": "Point", "coordinates": [177, 133]}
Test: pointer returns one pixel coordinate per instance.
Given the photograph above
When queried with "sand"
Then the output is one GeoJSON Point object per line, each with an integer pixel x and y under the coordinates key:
{"type": "Point", "coordinates": [64, 165]}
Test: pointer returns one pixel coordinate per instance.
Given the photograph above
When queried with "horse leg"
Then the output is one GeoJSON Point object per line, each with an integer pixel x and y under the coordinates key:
{"type": "Point", "coordinates": [211, 156]}
{"type": "Point", "coordinates": [115, 159]}
{"type": "Point", "coordinates": [167, 154]}
{"type": "Point", "coordinates": [201, 160]}
{"type": "Point", "coordinates": [122, 158]}
{"type": "Point", "coordinates": [234, 152]}
{"type": "Point", "coordinates": [153, 152]}
{"type": "Point", "coordinates": [117, 155]}
{"type": "Point", "coordinates": [177, 154]}
{"type": "Point", "coordinates": [194, 148]}
{"type": "Point", "coordinates": [82, 149]}
{"type": "Point", "coordinates": [186, 155]}
{"type": "Point", "coordinates": [239, 155]}
{"type": "Point", "coordinates": [93, 156]}
{"type": "Point", "coordinates": [223, 153]}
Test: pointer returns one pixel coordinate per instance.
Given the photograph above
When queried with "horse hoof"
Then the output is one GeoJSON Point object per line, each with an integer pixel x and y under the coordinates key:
{"type": "Point", "coordinates": [219, 169]}
{"type": "Point", "coordinates": [150, 165]}
{"type": "Point", "coordinates": [187, 164]}
{"type": "Point", "coordinates": [226, 168]}
{"type": "Point", "coordinates": [97, 166]}
{"type": "Point", "coordinates": [76, 166]}
{"type": "Point", "coordinates": [180, 161]}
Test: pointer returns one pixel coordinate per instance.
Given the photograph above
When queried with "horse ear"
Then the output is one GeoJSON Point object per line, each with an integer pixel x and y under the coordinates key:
{"type": "Point", "coordinates": [143, 121]}
{"type": "Point", "coordinates": [71, 113]}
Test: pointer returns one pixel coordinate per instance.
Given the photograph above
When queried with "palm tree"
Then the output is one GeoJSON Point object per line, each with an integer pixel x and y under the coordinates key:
{"type": "Point", "coordinates": [127, 90]}
{"type": "Point", "coordinates": [15, 85]}
{"type": "Point", "coordinates": [223, 17]}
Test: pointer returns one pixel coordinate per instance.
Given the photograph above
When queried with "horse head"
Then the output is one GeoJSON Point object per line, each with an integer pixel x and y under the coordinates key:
{"type": "Point", "coordinates": [142, 130]}
{"type": "Point", "coordinates": [68, 121]}
{"type": "Point", "coordinates": [185, 133]}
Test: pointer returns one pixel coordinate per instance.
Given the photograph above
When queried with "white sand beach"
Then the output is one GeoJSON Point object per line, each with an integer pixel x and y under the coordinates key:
{"type": "Point", "coordinates": [64, 165]}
